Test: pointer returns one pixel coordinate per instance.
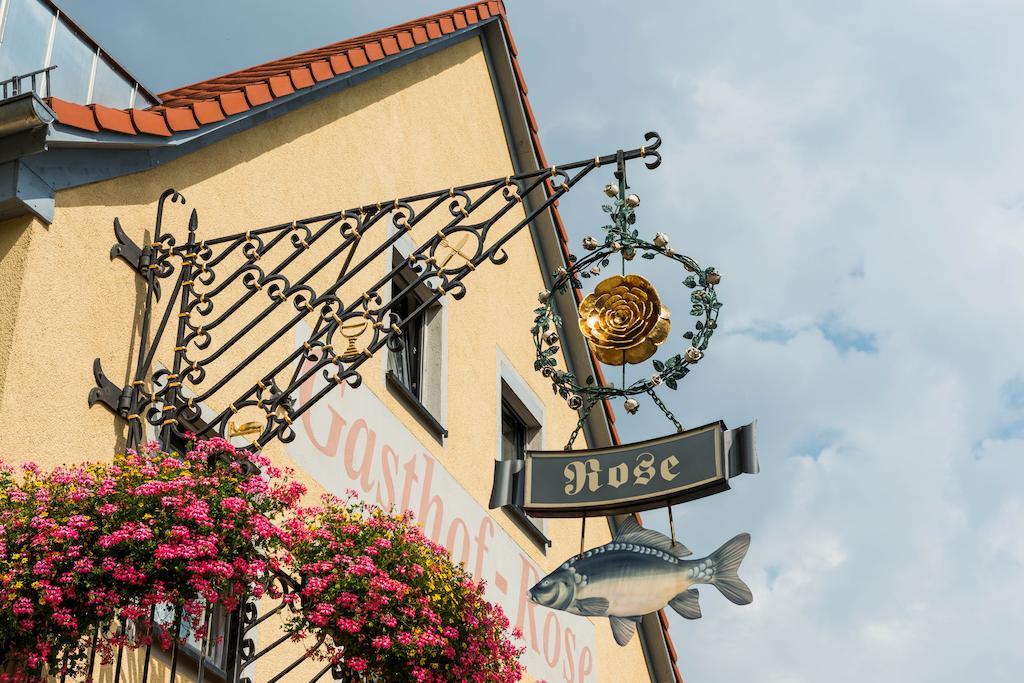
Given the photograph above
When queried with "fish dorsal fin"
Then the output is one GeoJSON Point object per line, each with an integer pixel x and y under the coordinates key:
{"type": "Point", "coordinates": [592, 607]}
{"type": "Point", "coordinates": [623, 628]}
{"type": "Point", "coordinates": [630, 531]}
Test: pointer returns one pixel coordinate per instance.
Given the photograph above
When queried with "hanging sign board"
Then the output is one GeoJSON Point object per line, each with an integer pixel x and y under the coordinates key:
{"type": "Point", "coordinates": [629, 478]}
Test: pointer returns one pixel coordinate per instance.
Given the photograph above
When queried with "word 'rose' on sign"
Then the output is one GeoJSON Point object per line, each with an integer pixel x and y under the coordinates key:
{"type": "Point", "coordinates": [588, 473]}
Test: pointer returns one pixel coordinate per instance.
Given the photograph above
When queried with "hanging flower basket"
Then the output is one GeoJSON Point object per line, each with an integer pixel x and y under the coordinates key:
{"type": "Point", "coordinates": [383, 602]}
{"type": "Point", "coordinates": [89, 549]}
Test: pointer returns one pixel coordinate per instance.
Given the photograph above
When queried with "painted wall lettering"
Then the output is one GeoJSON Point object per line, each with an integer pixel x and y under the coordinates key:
{"type": "Point", "coordinates": [351, 441]}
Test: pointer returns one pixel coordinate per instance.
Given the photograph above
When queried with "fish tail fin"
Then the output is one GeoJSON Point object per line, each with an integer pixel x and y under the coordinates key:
{"type": "Point", "coordinates": [726, 561]}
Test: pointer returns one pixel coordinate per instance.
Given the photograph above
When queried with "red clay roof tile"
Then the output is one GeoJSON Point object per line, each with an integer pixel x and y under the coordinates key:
{"type": "Point", "coordinates": [281, 86]}
{"type": "Point", "coordinates": [208, 111]}
{"type": "Point", "coordinates": [321, 70]}
{"type": "Point", "coordinates": [471, 17]}
{"type": "Point", "coordinates": [302, 77]}
{"type": "Point", "coordinates": [74, 115]}
{"type": "Point", "coordinates": [390, 45]}
{"type": "Point", "coordinates": [340, 65]}
{"type": "Point", "coordinates": [357, 58]}
{"type": "Point", "coordinates": [180, 118]}
{"type": "Point", "coordinates": [405, 40]}
{"type": "Point", "coordinates": [258, 93]}
{"type": "Point", "coordinates": [374, 51]}
{"type": "Point", "coordinates": [447, 25]}
{"type": "Point", "coordinates": [433, 30]}
{"type": "Point", "coordinates": [460, 21]}
{"type": "Point", "coordinates": [116, 120]}
{"type": "Point", "coordinates": [150, 122]}
{"type": "Point", "coordinates": [483, 11]}
{"type": "Point", "coordinates": [233, 102]}
{"type": "Point", "coordinates": [419, 34]}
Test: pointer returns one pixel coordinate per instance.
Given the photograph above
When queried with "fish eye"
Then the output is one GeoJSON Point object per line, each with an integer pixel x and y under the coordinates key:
{"type": "Point", "coordinates": [546, 582]}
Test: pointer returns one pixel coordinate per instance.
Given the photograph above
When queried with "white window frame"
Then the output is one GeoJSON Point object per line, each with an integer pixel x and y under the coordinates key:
{"type": "Point", "coordinates": [513, 390]}
{"type": "Point", "coordinates": [434, 370]}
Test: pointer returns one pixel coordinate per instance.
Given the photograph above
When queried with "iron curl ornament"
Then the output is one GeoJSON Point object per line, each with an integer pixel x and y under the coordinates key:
{"type": "Point", "coordinates": [624, 320]}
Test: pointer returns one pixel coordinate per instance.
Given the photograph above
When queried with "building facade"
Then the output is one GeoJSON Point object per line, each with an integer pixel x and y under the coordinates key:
{"type": "Point", "coordinates": [437, 102]}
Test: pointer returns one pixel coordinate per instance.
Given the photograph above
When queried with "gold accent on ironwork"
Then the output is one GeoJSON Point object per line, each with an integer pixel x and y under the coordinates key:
{"type": "Point", "coordinates": [455, 250]}
{"type": "Point", "coordinates": [624, 320]}
{"type": "Point", "coordinates": [352, 330]}
{"type": "Point", "coordinates": [245, 428]}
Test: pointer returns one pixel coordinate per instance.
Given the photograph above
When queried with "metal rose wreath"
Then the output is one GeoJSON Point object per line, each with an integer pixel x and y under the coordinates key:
{"type": "Point", "coordinates": [624, 319]}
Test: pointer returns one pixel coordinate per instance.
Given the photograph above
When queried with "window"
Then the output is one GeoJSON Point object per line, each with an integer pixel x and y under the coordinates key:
{"type": "Point", "coordinates": [513, 443]}
{"type": "Point", "coordinates": [407, 364]}
{"type": "Point", "coordinates": [417, 374]}
{"type": "Point", "coordinates": [520, 421]}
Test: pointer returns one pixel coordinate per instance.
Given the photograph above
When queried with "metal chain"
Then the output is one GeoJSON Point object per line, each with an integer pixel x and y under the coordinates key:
{"type": "Point", "coordinates": [584, 412]}
{"type": "Point", "coordinates": [668, 413]}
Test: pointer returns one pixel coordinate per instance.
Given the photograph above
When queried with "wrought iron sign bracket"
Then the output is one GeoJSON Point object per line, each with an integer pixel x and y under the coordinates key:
{"type": "Point", "coordinates": [116, 399]}
{"type": "Point", "coordinates": [257, 285]}
{"type": "Point", "coordinates": [139, 258]}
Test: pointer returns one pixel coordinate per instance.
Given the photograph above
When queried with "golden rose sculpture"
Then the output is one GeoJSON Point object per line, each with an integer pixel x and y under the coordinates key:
{"type": "Point", "coordinates": [624, 320]}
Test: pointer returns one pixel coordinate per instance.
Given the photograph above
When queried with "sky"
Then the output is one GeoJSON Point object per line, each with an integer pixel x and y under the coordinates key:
{"type": "Point", "coordinates": [855, 171]}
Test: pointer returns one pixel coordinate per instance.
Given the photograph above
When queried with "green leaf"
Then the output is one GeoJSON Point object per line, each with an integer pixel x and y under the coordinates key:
{"type": "Point", "coordinates": [659, 366]}
{"type": "Point", "coordinates": [700, 325]}
{"type": "Point", "coordinates": [671, 384]}
{"type": "Point", "coordinates": [590, 379]}
{"type": "Point", "coordinates": [647, 255]}
{"type": "Point", "coordinates": [697, 310]}
{"type": "Point", "coordinates": [688, 335]}
{"type": "Point", "coordinates": [672, 362]}
{"type": "Point", "coordinates": [607, 208]}
{"type": "Point", "coordinates": [690, 282]}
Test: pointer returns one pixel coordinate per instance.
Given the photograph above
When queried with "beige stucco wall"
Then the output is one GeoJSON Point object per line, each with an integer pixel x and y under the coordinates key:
{"type": "Point", "coordinates": [432, 123]}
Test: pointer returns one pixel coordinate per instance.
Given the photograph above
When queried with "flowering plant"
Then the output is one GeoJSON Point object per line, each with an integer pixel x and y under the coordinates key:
{"type": "Point", "coordinates": [87, 546]}
{"type": "Point", "coordinates": [386, 603]}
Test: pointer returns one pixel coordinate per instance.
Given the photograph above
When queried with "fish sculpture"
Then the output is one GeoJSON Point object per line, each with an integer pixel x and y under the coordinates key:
{"type": "Point", "coordinates": [640, 572]}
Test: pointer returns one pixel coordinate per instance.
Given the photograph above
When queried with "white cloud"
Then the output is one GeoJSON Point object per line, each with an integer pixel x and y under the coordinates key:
{"type": "Point", "coordinates": [854, 171]}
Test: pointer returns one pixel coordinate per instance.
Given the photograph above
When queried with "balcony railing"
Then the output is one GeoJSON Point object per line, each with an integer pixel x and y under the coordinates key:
{"type": "Point", "coordinates": [15, 85]}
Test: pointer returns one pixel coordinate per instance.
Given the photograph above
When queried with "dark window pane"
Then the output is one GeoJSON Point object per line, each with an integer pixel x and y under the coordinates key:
{"type": "Point", "coordinates": [513, 441]}
{"type": "Point", "coordinates": [407, 364]}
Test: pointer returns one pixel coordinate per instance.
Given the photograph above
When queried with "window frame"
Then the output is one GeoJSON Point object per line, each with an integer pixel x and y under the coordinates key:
{"type": "Point", "coordinates": [517, 399]}
{"type": "Point", "coordinates": [429, 403]}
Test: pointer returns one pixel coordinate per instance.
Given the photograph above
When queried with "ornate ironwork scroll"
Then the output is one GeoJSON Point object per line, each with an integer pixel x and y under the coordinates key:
{"type": "Point", "coordinates": [251, 291]}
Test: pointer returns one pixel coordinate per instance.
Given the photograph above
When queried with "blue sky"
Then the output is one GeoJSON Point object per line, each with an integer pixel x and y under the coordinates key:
{"type": "Point", "coordinates": [854, 171]}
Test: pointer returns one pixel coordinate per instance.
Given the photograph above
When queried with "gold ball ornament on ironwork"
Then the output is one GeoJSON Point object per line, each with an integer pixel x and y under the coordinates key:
{"type": "Point", "coordinates": [590, 244]}
{"type": "Point", "coordinates": [611, 190]}
{"type": "Point", "coordinates": [633, 201]}
{"type": "Point", "coordinates": [660, 239]}
{"type": "Point", "coordinates": [624, 320]}
{"type": "Point", "coordinates": [631, 405]}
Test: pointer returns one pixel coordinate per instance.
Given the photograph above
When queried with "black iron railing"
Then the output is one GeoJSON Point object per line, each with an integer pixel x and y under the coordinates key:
{"type": "Point", "coordinates": [15, 85]}
{"type": "Point", "coordinates": [227, 651]}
